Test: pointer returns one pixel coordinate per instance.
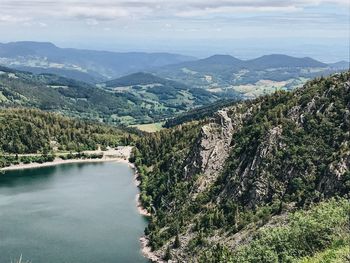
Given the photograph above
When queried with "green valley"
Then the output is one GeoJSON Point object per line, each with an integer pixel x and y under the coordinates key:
{"type": "Point", "coordinates": [136, 104]}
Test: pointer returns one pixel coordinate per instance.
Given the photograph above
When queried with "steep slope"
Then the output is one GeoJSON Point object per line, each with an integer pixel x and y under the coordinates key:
{"type": "Point", "coordinates": [248, 185]}
{"type": "Point", "coordinates": [198, 113]}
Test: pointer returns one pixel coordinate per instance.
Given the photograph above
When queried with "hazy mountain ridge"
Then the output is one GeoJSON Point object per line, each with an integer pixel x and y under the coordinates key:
{"type": "Point", "coordinates": [250, 78]}
{"type": "Point", "coordinates": [104, 64]}
{"type": "Point", "coordinates": [248, 185]}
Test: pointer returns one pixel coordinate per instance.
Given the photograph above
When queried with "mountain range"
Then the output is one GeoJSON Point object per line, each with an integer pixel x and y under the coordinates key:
{"type": "Point", "coordinates": [250, 78]}
{"type": "Point", "coordinates": [85, 65]}
{"type": "Point", "coordinates": [141, 87]}
{"type": "Point", "coordinates": [98, 66]}
{"type": "Point", "coordinates": [158, 100]}
{"type": "Point", "coordinates": [229, 180]}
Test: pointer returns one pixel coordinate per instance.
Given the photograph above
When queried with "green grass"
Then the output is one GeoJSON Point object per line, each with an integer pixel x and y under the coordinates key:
{"type": "Point", "coordinates": [338, 253]}
{"type": "Point", "coordinates": [151, 127]}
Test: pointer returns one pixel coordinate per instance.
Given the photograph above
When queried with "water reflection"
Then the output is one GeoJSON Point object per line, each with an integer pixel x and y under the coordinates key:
{"type": "Point", "coordinates": [70, 213]}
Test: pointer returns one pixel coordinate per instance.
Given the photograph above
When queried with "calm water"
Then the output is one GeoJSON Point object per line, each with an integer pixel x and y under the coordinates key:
{"type": "Point", "coordinates": [72, 213]}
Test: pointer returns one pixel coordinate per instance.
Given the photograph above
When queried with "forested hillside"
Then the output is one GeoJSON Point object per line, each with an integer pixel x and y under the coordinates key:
{"type": "Point", "coordinates": [265, 180]}
{"type": "Point", "coordinates": [34, 131]}
{"type": "Point", "coordinates": [199, 113]}
{"type": "Point", "coordinates": [170, 97]}
{"type": "Point", "coordinates": [133, 105]}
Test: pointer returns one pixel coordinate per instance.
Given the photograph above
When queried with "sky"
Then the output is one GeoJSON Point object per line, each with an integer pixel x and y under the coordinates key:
{"type": "Point", "coordinates": [242, 28]}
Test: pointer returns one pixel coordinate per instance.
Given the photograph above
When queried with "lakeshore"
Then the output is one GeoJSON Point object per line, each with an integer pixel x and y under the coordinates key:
{"type": "Point", "coordinates": [85, 210]}
{"type": "Point", "coordinates": [122, 154]}
{"type": "Point", "coordinates": [146, 250]}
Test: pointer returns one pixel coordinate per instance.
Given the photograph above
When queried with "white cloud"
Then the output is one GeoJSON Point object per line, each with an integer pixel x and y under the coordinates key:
{"type": "Point", "coordinates": [92, 22]}
{"type": "Point", "coordinates": [4, 18]}
{"type": "Point", "coordinates": [13, 10]}
{"type": "Point", "coordinates": [96, 13]}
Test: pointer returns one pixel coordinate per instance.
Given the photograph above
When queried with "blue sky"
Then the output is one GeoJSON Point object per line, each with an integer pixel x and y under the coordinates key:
{"type": "Point", "coordinates": [242, 28]}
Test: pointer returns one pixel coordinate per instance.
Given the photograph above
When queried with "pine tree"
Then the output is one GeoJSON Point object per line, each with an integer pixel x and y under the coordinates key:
{"type": "Point", "coordinates": [177, 243]}
{"type": "Point", "coordinates": [167, 255]}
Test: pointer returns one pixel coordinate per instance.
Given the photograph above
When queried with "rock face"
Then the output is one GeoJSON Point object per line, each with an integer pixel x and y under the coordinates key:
{"type": "Point", "coordinates": [279, 152]}
{"type": "Point", "coordinates": [211, 149]}
{"type": "Point", "coordinates": [253, 179]}
{"type": "Point", "coordinates": [213, 146]}
{"type": "Point", "coordinates": [250, 181]}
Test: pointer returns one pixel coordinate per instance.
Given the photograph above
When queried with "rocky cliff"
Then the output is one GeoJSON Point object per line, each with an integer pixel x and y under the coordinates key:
{"type": "Point", "coordinates": [248, 167]}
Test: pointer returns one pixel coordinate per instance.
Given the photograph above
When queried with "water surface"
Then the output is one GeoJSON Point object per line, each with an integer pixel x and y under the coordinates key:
{"type": "Point", "coordinates": [70, 213]}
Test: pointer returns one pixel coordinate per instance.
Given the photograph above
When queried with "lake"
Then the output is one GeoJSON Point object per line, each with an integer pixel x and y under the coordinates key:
{"type": "Point", "coordinates": [70, 213]}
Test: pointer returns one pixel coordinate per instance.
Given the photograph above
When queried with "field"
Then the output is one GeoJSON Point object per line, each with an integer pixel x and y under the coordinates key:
{"type": "Point", "coordinates": [150, 127]}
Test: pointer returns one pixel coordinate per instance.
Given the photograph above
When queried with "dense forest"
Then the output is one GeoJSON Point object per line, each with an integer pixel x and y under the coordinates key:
{"type": "Point", "coordinates": [74, 98]}
{"type": "Point", "coordinates": [33, 131]}
{"type": "Point", "coordinates": [199, 113]}
{"type": "Point", "coordinates": [265, 180]}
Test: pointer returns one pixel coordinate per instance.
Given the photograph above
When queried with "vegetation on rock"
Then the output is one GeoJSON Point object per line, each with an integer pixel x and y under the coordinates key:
{"type": "Point", "coordinates": [276, 196]}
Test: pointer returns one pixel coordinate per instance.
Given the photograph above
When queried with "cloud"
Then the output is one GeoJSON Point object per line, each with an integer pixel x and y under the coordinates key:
{"type": "Point", "coordinates": [12, 10]}
{"type": "Point", "coordinates": [96, 13]}
{"type": "Point", "coordinates": [4, 18]}
{"type": "Point", "coordinates": [92, 22]}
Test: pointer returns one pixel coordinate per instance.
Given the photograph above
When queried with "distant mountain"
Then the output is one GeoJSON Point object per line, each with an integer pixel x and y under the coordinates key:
{"type": "Point", "coordinates": [283, 61]}
{"type": "Point", "coordinates": [142, 78]}
{"type": "Point", "coordinates": [265, 62]}
{"type": "Point", "coordinates": [89, 77]}
{"type": "Point", "coordinates": [216, 60]}
{"type": "Point", "coordinates": [146, 86]}
{"type": "Point", "coordinates": [75, 98]}
{"type": "Point", "coordinates": [211, 64]}
{"type": "Point", "coordinates": [100, 64]}
{"type": "Point", "coordinates": [250, 78]}
{"type": "Point", "coordinates": [342, 65]}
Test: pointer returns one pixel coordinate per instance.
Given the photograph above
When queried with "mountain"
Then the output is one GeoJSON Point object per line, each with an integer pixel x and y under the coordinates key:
{"type": "Point", "coordinates": [164, 93]}
{"type": "Point", "coordinates": [283, 61]}
{"type": "Point", "coordinates": [78, 99]}
{"type": "Point", "coordinates": [89, 77]}
{"type": "Point", "coordinates": [264, 180]}
{"type": "Point", "coordinates": [99, 64]}
{"type": "Point", "coordinates": [248, 78]}
{"type": "Point", "coordinates": [212, 64]}
{"type": "Point", "coordinates": [341, 65]}
{"type": "Point", "coordinates": [142, 78]}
